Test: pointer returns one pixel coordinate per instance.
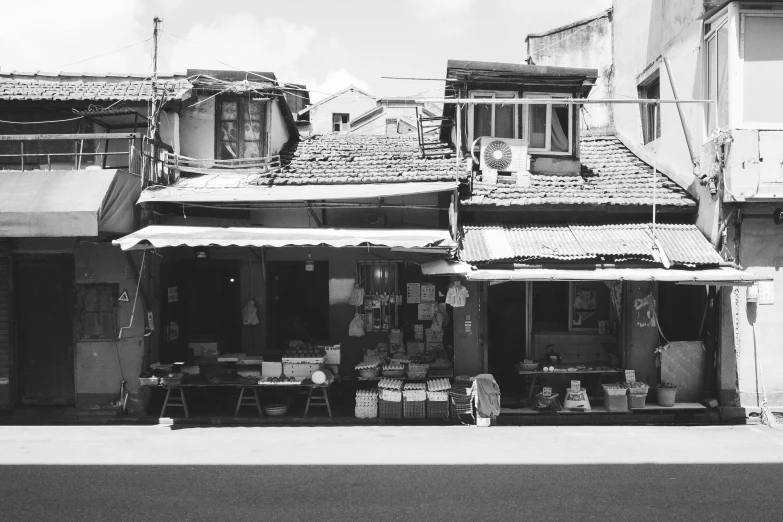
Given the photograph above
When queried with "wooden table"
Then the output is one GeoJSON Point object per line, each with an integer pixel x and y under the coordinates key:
{"type": "Point", "coordinates": [599, 370]}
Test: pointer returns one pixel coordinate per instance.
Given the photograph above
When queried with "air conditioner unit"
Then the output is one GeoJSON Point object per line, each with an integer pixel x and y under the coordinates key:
{"type": "Point", "coordinates": [503, 155]}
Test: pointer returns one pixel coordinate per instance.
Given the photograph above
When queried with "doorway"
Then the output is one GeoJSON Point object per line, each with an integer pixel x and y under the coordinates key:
{"type": "Point", "coordinates": [507, 337]}
{"type": "Point", "coordinates": [45, 337]}
{"type": "Point", "coordinates": [299, 302]}
{"type": "Point", "coordinates": [201, 303]}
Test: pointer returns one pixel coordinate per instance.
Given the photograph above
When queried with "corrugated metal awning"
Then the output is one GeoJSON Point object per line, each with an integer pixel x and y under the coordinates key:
{"type": "Point", "coordinates": [69, 203]}
{"type": "Point", "coordinates": [161, 236]}
{"type": "Point", "coordinates": [682, 244]}
{"type": "Point", "coordinates": [229, 189]}
{"type": "Point", "coordinates": [709, 276]}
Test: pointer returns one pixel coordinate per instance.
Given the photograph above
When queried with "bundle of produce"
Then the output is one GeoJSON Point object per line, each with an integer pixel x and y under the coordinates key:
{"type": "Point", "coordinates": [615, 389]}
{"type": "Point", "coordinates": [438, 385]}
{"type": "Point", "coordinates": [391, 384]}
{"type": "Point", "coordinates": [637, 388]}
{"type": "Point", "coordinates": [393, 369]}
{"type": "Point", "coordinates": [304, 352]}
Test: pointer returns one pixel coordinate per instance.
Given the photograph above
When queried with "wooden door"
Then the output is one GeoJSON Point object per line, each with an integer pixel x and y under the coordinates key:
{"type": "Point", "coordinates": [44, 313]}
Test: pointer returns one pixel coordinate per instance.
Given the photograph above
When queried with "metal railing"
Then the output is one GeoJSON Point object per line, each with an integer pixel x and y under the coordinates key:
{"type": "Point", "coordinates": [28, 158]}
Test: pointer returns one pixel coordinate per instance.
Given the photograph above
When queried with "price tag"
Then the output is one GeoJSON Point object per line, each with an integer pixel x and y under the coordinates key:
{"type": "Point", "coordinates": [630, 375]}
{"type": "Point", "coordinates": [576, 386]}
{"type": "Point", "coordinates": [547, 391]}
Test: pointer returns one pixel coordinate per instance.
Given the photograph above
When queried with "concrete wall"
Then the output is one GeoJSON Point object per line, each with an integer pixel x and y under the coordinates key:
{"type": "Point", "coordinates": [278, 132]}
{"type": "Point", "coordinates": [587, 44]}
{"type": "Point", "coordinates": [351, 102]}
{"type": "Point", "coordinates": [197, 128]}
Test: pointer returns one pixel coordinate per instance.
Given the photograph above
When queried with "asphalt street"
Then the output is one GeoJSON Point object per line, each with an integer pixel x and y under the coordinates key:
{"type": "Point", "coordinates": [566, 473]}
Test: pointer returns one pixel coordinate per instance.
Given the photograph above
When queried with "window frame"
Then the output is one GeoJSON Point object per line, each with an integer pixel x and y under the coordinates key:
{"type": "Point", "coordinates": [241, 100]}
{"type": "Point", "coordinates": [344, 125]}
{"type": "Point", "coordinates": [81, 289]}
{"type": "Point", "coordinates": [716, 23]}
{"type": "Point", "coordinates": [741, 121]}
{"type": "Point", "coordinates": [511, 95]}
{"type": "Point", "coordinates": [648, 112]}
{"type": "Point", "coordinates": [547, 150]}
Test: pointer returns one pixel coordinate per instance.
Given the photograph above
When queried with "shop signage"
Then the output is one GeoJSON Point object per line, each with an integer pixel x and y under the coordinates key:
{"type": "Point", "coordinates": [173, 294]}
{"type": "Point", "coordinates": [414, 293]}
{"type": "Point", "coordinates": [418, 332]}
{"type": "Point", "coordinates": [468, 327]}
{"type": "Point", "coordinates": [426, 311]}
{"type": "Point", "coordinates": [630, 376]}
{"type": "Point", "coordinates": [151, 321]}
{"type": "Point", "coordinates": [576, 386]}
{"type": "Point", "coordinates": [427, 293]}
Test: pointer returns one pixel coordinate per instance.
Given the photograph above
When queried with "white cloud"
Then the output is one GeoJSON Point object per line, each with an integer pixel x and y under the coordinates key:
{"type": "Point", "coordinates": [440, 8]}
{"type": "Point", "coordinates": [335, 81]}
{"type": "Point", "coordinates": [64, 32]}
{"type": "Point", "coordinates": [244, 42]}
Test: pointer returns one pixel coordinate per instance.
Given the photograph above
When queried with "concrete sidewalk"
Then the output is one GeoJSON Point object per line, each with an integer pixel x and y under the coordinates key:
{"type": "Point", "coordinates": [116, 445]}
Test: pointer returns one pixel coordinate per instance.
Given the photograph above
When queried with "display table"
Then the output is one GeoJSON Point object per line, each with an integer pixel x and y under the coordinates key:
{"type": "Point", "coordinates": [595, 369]}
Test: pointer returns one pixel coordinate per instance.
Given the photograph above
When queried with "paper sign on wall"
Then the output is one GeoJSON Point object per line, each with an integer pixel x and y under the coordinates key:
{"type": "Point", "coordinates": [151, 321]}
{"type": "Point", "coordinates": [418, 332]}
{"type": "Point", "coordinates": [124, 297]}
{"type": "Point", "coordinates": [630, 376]}
{"type": "Point", "coordinates": [427, 293]}
{"type": "Point", "coordinates": [547, 391]}
{"type": "Point", "coordinates": [173, 331]}
{"type": "Point", "coordinates": [468, 327]}
{"type": "Point", "coordinates": [426, 311]}
{"type": "Point", "coordinates": [576, 386]}
{"type": "Point", "coordinates": [173, 294]}
{"type": "Point", "coordinates": [414, 293]}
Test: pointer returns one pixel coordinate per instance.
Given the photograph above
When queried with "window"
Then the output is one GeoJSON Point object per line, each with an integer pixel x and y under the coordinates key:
{"type": "Point", "coordinates": [340, 122]}
{"type": "Point", "coordinates": [498, 121]}
{"type": "Point", "coordinates": [549, 128]}
{"type": "Point", "coordinates": [651, 114]}
{"type": "Point", "coordinates": [382, 299]}
{"type": "Point", "coordinates": [96, 310]}
{"type": "Point", "coordinates": [761, 68]}
{"type": "Point", "coordinates": [717, 74]}
{"type": "Point", "coordinates": [560, 306]}
{"type": "Point", "coordinates": [241, 128]}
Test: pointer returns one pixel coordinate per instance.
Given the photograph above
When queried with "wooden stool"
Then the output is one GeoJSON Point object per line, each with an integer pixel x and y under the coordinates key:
{"type": "Point", "coordinates": [318, 401]}
{"type": "Point", "coordinates": [248, 401]}
{"type": "Point", "coordinates": [174, 402]}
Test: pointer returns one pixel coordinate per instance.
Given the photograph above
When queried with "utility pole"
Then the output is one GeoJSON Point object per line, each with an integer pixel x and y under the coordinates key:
{"type": "Point", "coordinates": [149, 152]}
{"type": "Point", "coordinates": [153, 126]}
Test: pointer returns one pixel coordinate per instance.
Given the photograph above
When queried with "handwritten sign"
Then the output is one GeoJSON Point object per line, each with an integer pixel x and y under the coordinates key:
{"type": "Point", "coordinates": [427, 293]}
{"type": "Point", "coordinates": [418, 332]}
{"type": "Point", "coordinates": [630, 376]}
{"type": "Point", "coordinates": [426, 311]}
{"type": "Point", "coordinates": [576, 386]}
{"type": "Point", "coordinates": [173, 294]}
{"type": "Point", "coordinates": [414, 293]}
{"type": "Point", "coordinates": [547, 391]}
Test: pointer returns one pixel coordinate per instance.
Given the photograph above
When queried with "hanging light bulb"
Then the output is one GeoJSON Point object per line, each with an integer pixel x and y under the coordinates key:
{"type": "Point", "coordinates": [309, 264]}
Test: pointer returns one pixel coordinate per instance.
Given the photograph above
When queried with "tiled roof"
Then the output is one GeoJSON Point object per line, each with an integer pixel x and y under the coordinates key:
{"type": "Point", "coordinates": [611, 175]}
{"type": "Point", "coordinates": [350, 158]}
{"type": "Point", "coordinates": [682, 244]}
{"type": "Point", "coordinates": [109, 88]}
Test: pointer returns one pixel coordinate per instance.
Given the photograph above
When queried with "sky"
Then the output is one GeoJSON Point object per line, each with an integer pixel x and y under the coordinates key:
{"type": "Point", "coordinates": [326, 45]}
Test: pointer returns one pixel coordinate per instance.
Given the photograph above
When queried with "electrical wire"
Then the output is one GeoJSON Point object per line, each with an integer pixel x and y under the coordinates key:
{"type": "Point", "coordinates": [105, 54]}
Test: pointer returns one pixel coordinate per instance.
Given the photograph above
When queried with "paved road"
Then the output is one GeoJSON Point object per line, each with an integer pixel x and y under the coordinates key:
{"type": "Point", "coordinates": [579, 473]}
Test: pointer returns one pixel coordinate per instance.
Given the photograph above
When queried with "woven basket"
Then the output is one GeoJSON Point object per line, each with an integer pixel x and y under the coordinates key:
{"type": "Point", "coordinates": [437, 409]}
{"type": "Point", "coordinates": [369, 373]}
{"type": "Point", "coordinates": [418, 376]}
{"type": "Point", "coordinates": [414, 409]}
{"type": "Point", "coordinates": [389, 410]}
{"type": "Point", "coordinates": [149, 381]}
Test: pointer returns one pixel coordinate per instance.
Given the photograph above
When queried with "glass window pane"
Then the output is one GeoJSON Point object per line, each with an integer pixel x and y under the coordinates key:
{"type": "Point", "coordinates": [251, 149]}
{"type": "Point", "coordinates": [504, 121]}
{"type": "Point", "coordinates": [252, 130]}
{"type": "Point", "coordinates": [722, 77]}
{"type": "Point", "coordinates": [254, 110]}
{"type": "Point", "coordinates": [537, 126]}
{"type": "Point", "coordinates": [228, 111]}
{"type": "Point", "coordinates": [560, 136]}
{"type": "Point", "coordinates": [482, 120]}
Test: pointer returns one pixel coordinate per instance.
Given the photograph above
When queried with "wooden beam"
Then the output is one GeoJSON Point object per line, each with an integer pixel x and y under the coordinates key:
{"type": "Point", "coordinates": [54, 137]}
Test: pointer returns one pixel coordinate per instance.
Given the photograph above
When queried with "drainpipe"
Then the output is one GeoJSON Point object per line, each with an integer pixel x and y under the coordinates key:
{"type": "Point", "coordinates": [685, 129]}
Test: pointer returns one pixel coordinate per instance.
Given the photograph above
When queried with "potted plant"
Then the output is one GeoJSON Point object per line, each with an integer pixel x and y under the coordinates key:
{"type": "Point", "coordinates": [666, 393]}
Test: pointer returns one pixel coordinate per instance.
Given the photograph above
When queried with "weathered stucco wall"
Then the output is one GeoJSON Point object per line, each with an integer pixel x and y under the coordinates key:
{"type": "Point", "coordinates": [197, 129]}
{"type": "Point", "coordinates": [353, 103]}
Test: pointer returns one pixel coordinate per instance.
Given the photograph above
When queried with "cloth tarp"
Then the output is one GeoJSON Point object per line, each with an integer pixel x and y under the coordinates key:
{"type": "Point", "coordinates": [195, 193]}
{"type": "Point", "coordinates": [445, 267]}
{"type": "Point", "coordinates": [67, 203]}
{"type": "Point", "coordinates": [160, 236]}
{"type": "Point", "coordinates": [717, 276]}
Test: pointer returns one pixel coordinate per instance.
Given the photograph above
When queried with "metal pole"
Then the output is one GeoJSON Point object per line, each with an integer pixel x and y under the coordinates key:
{"type": "Point", "coordinates": [547, 101]}
{"type": "Point", "coordinates": [21, 144]}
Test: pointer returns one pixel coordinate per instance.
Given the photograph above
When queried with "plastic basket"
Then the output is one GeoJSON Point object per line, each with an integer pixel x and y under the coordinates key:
{"type": "Point", "coordinates": [437, 409]}
{"type": "Point", "coordinates": [389, 410]}
{"type": "Point", "coordinates": [636, 401]}
{"type": "Point", "coordinates": [414, 409]}
{"type": "Point", "coordinates": [149, 381]}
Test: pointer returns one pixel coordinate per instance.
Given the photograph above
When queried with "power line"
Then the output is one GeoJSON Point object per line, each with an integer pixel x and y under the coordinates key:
{"type": "Point", "coordinates": [105, 54]}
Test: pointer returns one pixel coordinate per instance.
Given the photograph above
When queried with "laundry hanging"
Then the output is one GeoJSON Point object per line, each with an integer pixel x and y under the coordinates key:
{"type": "Point", "coordinates": [457, 295]}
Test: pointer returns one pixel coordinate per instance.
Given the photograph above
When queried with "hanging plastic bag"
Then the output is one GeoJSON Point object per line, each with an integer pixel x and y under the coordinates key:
{"type": "Point", "coordinates": [250, 314]}
{"type": "Point", "coordinates": [356, 328]}
{"type": "Point", "coordinates": [357, 296]}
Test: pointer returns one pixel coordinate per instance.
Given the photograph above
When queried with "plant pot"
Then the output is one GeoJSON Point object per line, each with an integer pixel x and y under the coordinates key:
{"type": "Point", "coordinates": [666, 396]}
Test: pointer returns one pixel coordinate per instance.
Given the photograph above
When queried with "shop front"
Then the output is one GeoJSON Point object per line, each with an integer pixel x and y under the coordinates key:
{"type": "Point", "coordinates": [276, 312]}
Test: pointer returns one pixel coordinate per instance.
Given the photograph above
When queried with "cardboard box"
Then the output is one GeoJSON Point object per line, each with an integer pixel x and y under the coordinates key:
{"type": "Point", "coordinates": [332, 354]}
{"type": "Point", "coordinates": [271, 369]}
{"type": "Point", "coordinates": [415, 347]}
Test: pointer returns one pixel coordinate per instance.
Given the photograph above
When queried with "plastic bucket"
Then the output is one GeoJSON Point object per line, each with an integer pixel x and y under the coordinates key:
{"type": "Point", "coordinates": [322, 376]}
{"type": "Point", "coordinates": [666, 396]}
